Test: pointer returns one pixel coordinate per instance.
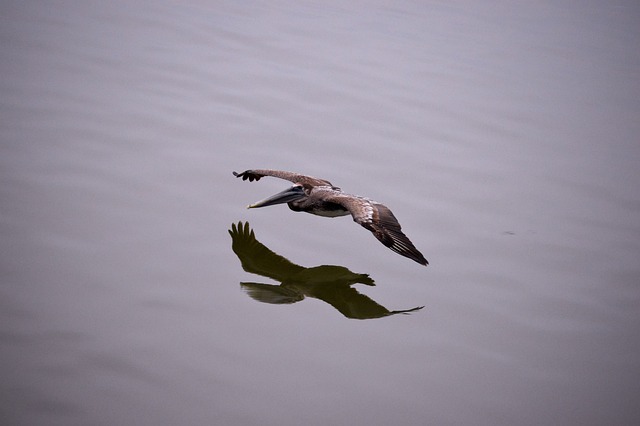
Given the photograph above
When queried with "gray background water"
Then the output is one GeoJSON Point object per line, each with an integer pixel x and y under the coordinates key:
{"type": "Point", "coordinates": [503, 135]}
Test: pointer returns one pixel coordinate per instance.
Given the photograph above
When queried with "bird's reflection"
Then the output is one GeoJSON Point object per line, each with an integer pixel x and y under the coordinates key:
{"type": "Point", "coordinates": [329, 283]}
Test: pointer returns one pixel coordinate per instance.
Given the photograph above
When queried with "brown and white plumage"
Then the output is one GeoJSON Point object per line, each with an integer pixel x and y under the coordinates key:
{"type": "Point", "coordinates": [320, 197]}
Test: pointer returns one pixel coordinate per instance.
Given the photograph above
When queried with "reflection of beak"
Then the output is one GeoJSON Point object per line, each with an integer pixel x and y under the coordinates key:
{"type": "Point", "coordinates": [289, 194]}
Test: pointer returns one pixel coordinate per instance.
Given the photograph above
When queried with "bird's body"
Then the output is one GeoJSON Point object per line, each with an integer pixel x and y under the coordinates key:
{"type": "Point", "coordinates": [320, 197]}
{"type": "Point", "coordinates": [321, 201]}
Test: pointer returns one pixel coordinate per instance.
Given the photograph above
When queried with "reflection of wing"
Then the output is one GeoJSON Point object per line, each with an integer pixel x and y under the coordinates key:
{"type": "Point", "coordinates": [274, 294]}
{"type": "Point", "coordinates": [352, 304]}
{"type": "Point", "coordinates": [258, 259]}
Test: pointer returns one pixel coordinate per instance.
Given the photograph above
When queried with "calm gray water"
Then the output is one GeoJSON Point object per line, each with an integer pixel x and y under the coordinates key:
{"type": "Point", "coordinates": [503, 136]}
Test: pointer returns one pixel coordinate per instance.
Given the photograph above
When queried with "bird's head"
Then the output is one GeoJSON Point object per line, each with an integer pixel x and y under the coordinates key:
{"type": "Point", "coordinates": [296, 192]}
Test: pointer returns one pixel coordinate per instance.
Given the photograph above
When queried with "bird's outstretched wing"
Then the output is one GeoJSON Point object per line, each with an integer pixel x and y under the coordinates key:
{"type": "Point", "coordinates": [307, 181]}
{"type": "Point", "coordinates": [378, 219]}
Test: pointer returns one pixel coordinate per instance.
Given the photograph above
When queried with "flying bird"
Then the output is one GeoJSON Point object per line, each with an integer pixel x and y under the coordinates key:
{"type": "Point", "coordinates": [320, 197]}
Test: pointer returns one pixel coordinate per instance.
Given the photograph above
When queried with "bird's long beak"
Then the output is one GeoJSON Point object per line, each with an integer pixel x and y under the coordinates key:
{"type": "Point", "coordinates": [290, 194]}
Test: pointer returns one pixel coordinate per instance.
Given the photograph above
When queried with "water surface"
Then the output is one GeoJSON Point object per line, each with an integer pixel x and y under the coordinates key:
{"type": "Point", "coordinates": [504, 137]}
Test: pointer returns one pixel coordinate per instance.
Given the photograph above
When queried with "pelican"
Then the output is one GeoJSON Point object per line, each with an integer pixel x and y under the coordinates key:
{"type": "Point", "coordinates": [320, 197]}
